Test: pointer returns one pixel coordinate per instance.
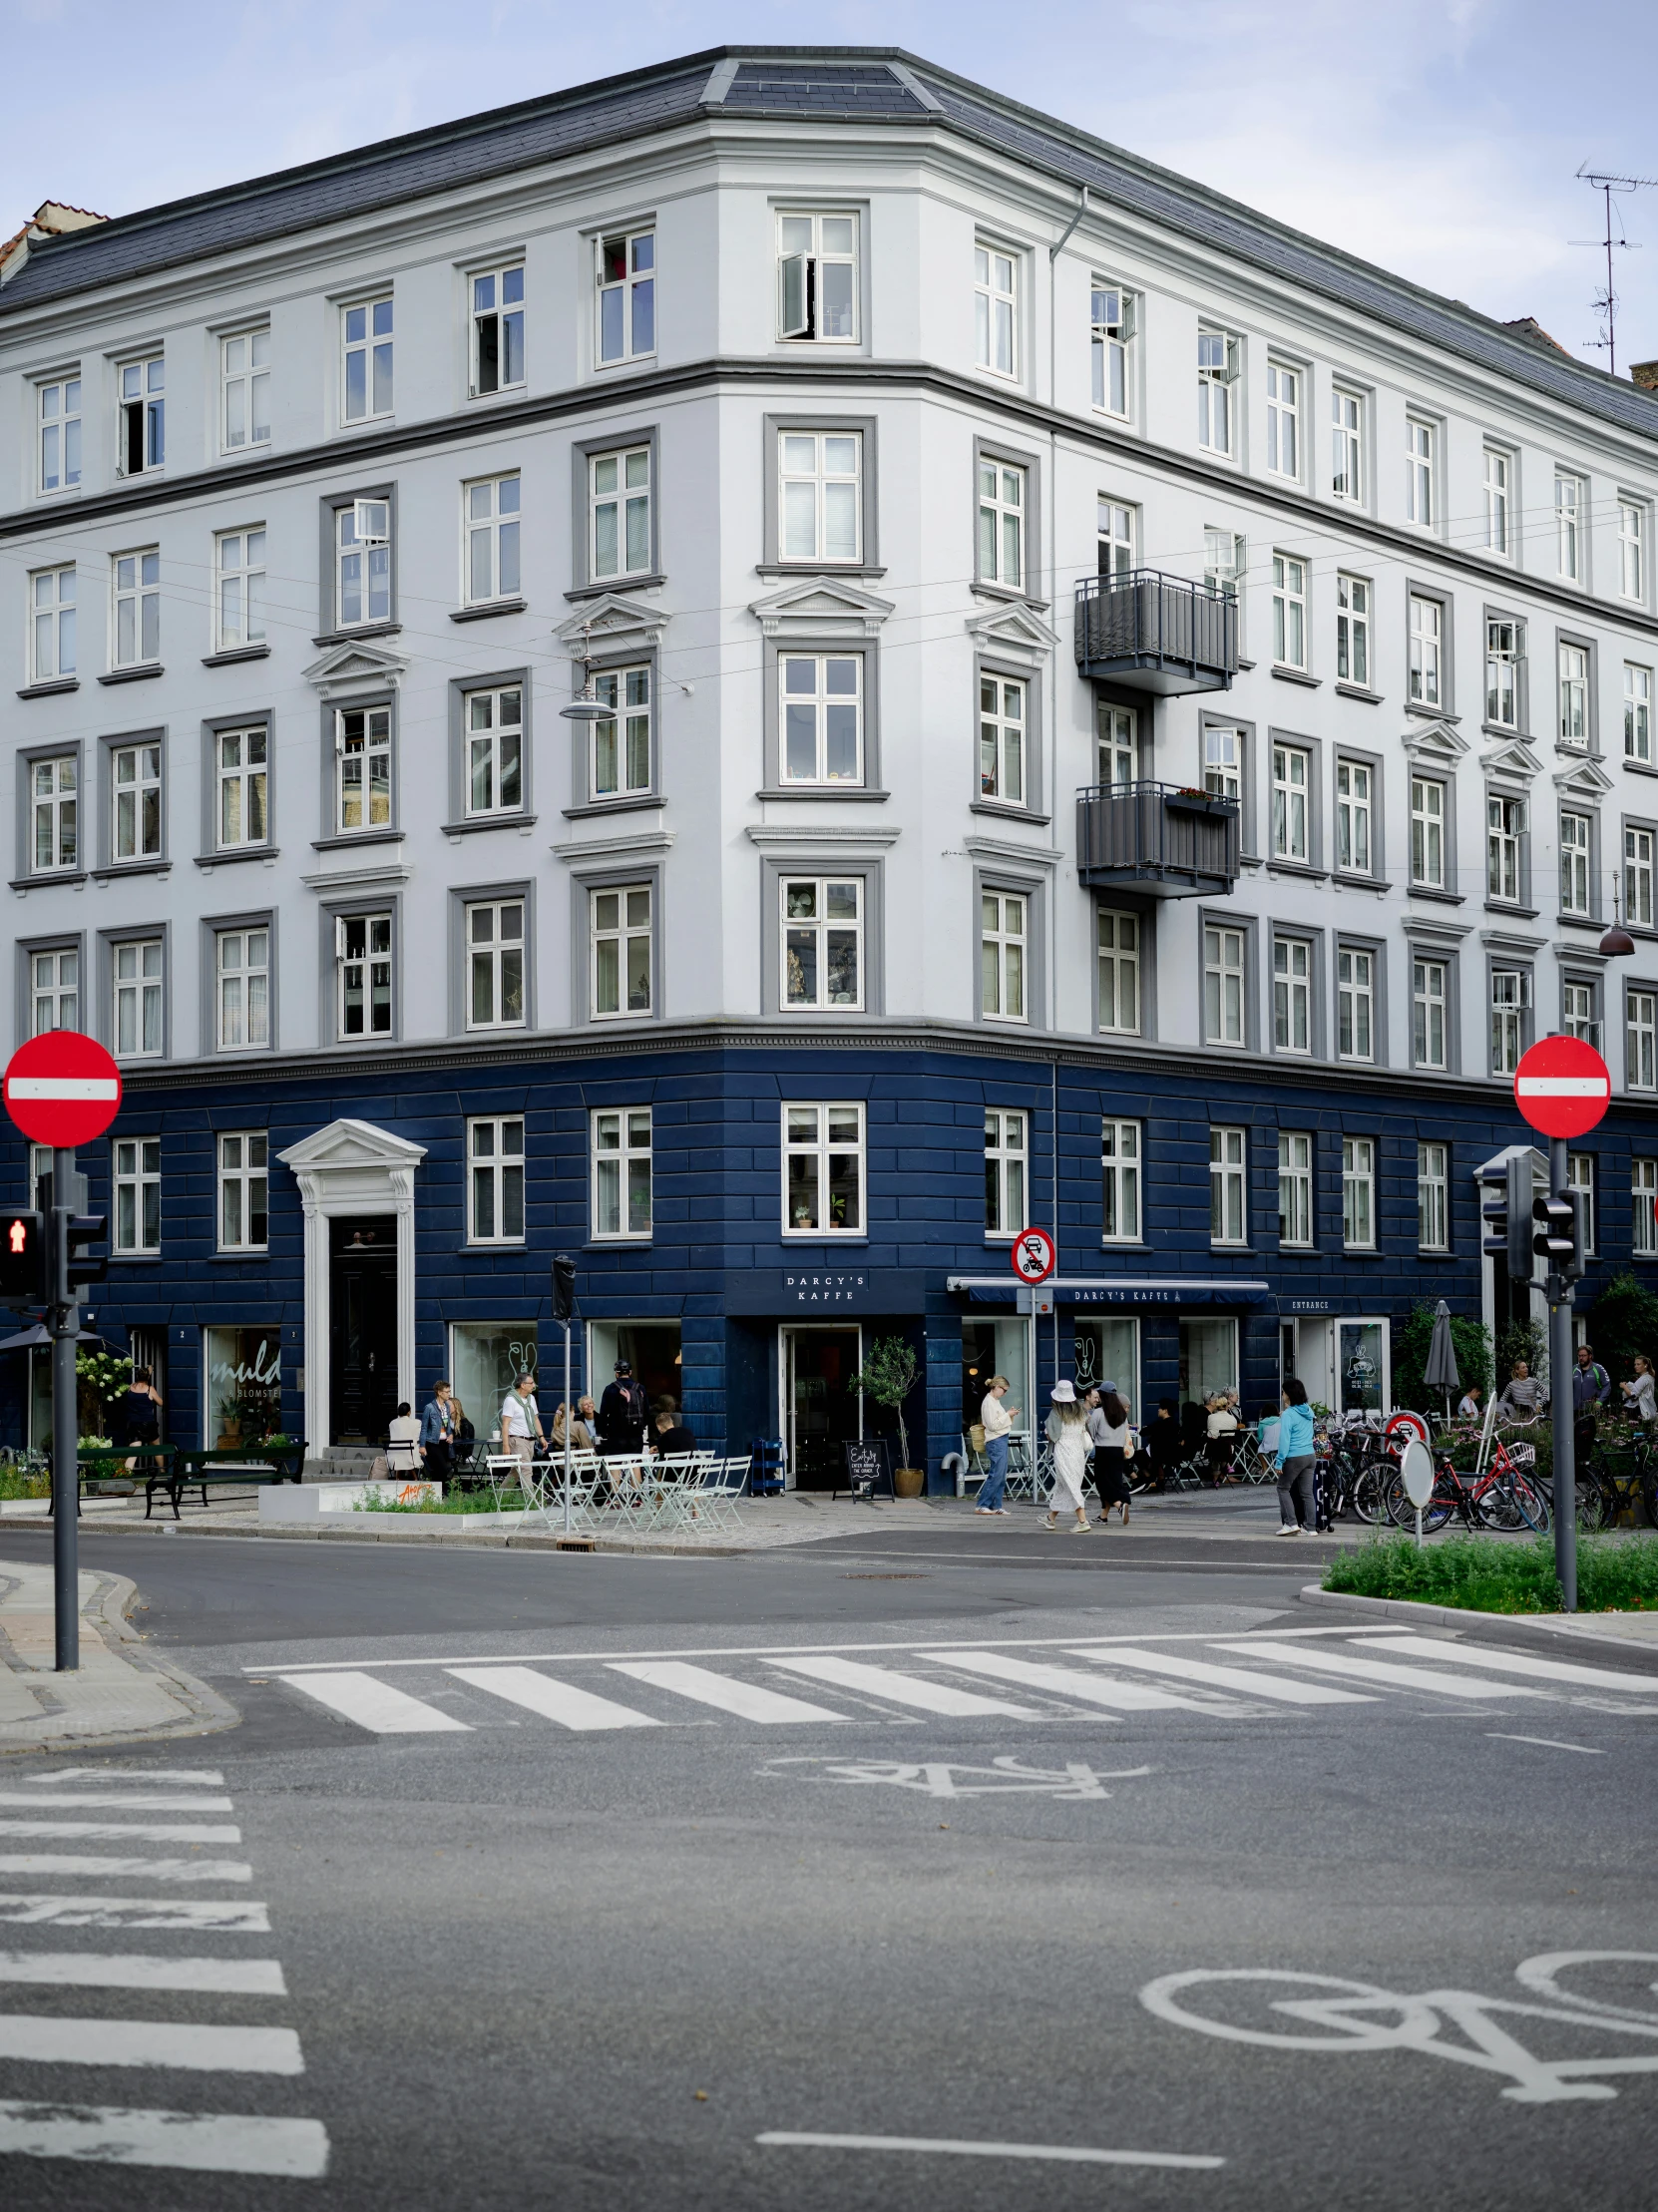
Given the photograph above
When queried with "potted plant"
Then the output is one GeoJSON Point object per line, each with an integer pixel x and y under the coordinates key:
{"type": "Point", "coordinates": [888, 1376]}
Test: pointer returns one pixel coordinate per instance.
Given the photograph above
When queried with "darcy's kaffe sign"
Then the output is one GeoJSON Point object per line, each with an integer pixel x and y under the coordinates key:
{"type": "Point", "coordinates": [826, 1291]}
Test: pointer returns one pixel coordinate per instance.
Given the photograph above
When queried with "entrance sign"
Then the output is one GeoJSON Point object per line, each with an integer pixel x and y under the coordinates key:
{"type": "Point", "coordinates": [869, 1467]}
{"type": "Point", "coordinates": [1033, 1256]}
{"type": "Point", "coordinates": [1562, 1086]}
{"type": "Point", "coordinates": [61, 1089]}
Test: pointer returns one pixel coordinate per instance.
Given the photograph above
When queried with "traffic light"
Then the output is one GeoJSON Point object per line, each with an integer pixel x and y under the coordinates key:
{"type": "Point", "coordinates": [21, 1273]}
{"type": "Point", "coordinates": [1509, 1217]}
{"type": "Point", "coordinates": [74, 1232]}
{"type": "Point", "coordinates": [1559, 1236]}
{"type": "Point", "coordinates": [563, 1286]}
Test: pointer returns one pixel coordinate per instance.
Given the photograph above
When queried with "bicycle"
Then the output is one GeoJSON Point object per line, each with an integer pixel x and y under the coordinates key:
{"type": "Point", "coordinates": [1605, 1490]}
{"type": "Point", "coordinates": [1354, 1474]}
{"type": "Point", "coordinates": [1505, 1499]}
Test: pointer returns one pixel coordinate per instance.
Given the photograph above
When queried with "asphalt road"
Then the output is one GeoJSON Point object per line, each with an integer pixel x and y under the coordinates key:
{"type": "Point", "coordinates": [607, 1917]}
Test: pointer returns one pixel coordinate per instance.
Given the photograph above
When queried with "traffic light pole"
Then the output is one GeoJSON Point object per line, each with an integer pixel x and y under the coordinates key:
{"type": "Point", "coordinates": [66, 1472]}
{"type": "Point", "coordinates": [1561, 1363]}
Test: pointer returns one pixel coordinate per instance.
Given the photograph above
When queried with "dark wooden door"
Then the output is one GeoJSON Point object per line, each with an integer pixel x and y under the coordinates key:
{"type": "Point", "coordinates": [363, 1377]}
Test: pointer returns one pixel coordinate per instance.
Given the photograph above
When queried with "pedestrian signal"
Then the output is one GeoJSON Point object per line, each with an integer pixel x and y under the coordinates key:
{"type": "Point", "coordinates": [20, 1258]}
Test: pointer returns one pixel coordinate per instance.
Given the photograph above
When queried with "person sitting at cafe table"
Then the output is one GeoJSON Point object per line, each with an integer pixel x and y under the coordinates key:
{"type": "Point", "coordinates": [669, 1438]}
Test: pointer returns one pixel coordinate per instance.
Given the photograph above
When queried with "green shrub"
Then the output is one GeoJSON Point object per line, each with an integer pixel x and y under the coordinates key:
{"type": "Point", "coordinates": [1471, 1340]}
{"type": "Point", "coordinates": [1498, 1574]}
{"type": "Point", "coordinates": [1624, 1321]}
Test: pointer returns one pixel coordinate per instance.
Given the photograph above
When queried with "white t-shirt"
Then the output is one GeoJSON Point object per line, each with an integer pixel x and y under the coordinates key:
{"type": "Point", "coordinates": [519, 1416]}
{"type": "Point", "coordinates": [403, 1442]}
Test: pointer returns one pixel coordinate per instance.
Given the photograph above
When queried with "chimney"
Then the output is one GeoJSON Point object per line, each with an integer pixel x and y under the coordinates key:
{"type": "Point", "coordinates": [1645, 373]}
{"type": "Point", "coordinates": [53, 218]}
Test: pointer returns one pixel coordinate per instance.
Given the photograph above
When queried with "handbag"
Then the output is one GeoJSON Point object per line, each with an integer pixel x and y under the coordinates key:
{"type": "Point", "coordinates": [976, 1436]}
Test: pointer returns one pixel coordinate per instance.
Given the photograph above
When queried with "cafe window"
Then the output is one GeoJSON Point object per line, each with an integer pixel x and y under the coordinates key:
{"type": "Point", "coordinates": [485, 1360]}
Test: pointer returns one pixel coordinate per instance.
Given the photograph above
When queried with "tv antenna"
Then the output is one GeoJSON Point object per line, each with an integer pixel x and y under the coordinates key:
{"type": "Point", "coordinates": [1606, 302]}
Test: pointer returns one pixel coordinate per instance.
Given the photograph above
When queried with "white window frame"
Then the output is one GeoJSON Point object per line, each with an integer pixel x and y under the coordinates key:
{"type": "Point", "coordinates": [1640, 902]}
{"type": "Point", "coordinates": [136, 811]}
{"type": "Point", "coordinates": [245, 390]}
{"type": "Point", "coordinates": [1422, 447]}
{"type": "Point", "coordinates": [492, 717]}
{"type": "Point", "coordinates": [1359, 1193]}
{"type": "Point", "coordinates": [1291, 803]}
{"type": "Point", "coordinates": [1286, 388]}
{"type": "Point", "coordinates": [1295, 1190]}
{"type": "Point", "coordinates": [365, 975]}
{"type": "Point", "coordinates": [1576, 836]}
{"type": "Point", "coordinates": [1499, 495]}
{"type": "Point", "coordinates": [1640, 1042]}
{"type": "Point", "coordinates": [1354, 816]}
{"type": "Point", "coordinates": [362, 562]}
{"type": "Point", "coordinates": [1643, 1193]}
{"type": "Point", "coordinates": [491, 564]}
{"type": "Point", "coordinates": [1116, 523]}
{"type": "Point", "coordinates": [1426, 650]}
{"type": "Point", "coordinates": [1569, 518]}
{"type": "Point", "coordinates": [620, 946]}
{"type": "Point", "coordinates": [141, 415]}
{"type": "Point", "coordinates": [1430, 1013]}
{"type": "Point", "coordinates": [1289, 612]}
{"type": "Point", "coordinates": [820, 508]}
{"type": "Point", "coordinates": [494, 315]}
{"type": "Point", "coordinates": [495, 1179]}
{"type": "Point", "coordinates": [1579, 1010]}
{"type": "Point", "coordinates": [1637, 712]}
{"type": "Point", "coordinates": [620, 496]}
{"type": "Point", "coordinates": [801, 311]}
{"type": "Point", "coordinates": [1292, 995]}
{"type": "Point", "coordinates": [1505, 828]}
{"type": "Point", "coordinates": [372, 346]}
{"type": "Point", "coordinates": [58, 435]}
{"type": "Point", "coordinates": [54, 989]}
{"type": "Point", "coordinates": [1574, 696]}
{"type": "Point", "coordinates": [1004, 505]}
{"type": "Point", "coordinates": [632, 285]}
{"type": "Point", "coordinates": [137, 1012]}
{"type": "Point", "coordinates": [1007, 1167]}
{"type": "Point", "coordinates": [1121, 1157]}
{"type": "Point", "coordinates": [1117, 947]}
{"type": "Point", "coordinates": [820, 923]}
{"type": "Point", "coordinates": [1632, 537]}
{"type": "Point", "coordinates": [246, 775]}
{"type": "Point", "coordinates": [362, 745]}
{"type": "Point", "coordinates": [1003, 724]}
{"type": "Point", "coordinates": [1352, 609]}
{"type": "Point", "coordinates": [1580, 1176]}
{"type": "Point", "coordinates": [1356, 1004]}
{"type": "Point", "coordinates": [241, 993]}
{"type": "Point", "coordinates": [1429, 806]}
{"type": "Point", "coordinates": [1003, 962]}
{"type": "Point", "coordinates": [52, 640]}
{"type": "Point", "coordinates": [996, 308]}
{"type": "Point", "coordinates": [1225, 557]}
{"type": "Point", "coordinates": [622, 1195]}
{"type": "Point", "coordinates": [243, 1168]}
{"type": "Point", "coordinates": [1113, 314]}
{"type": "Point", "coordinates": [1228, 1185]}
{"type": "Point", "coordinates": [1510, 996]}
{"type": "Point", "coordinates": [1222, 761]}
{"type": "Point", "coordinates": [826, 706]}
{"type": "Point", "coordinates": [1503, 651]}
{"type": "Point", "coordinates": [136, 1182]}
{"type": "Point", "coordinates": [55, 806]}
{"type": "Point", "coordinates": [1347, 446]}
{"type": "Point", "coordinates": [239, 589]}
{"type": "Point", "coordinates": [835, 1131]}
{"type": "Point", "coordinates": [136, 607]}
{"type": "Point", "coordinates": [622, 750]}
{"type": "Point", "coordinates": [1218, 372]}
{"type": "Point", "coordinates": [1225, 999]}
{"type": "Point", "coordinates": [496, 963]}
{"type": "Point", "coordinates": [1433, 1196]}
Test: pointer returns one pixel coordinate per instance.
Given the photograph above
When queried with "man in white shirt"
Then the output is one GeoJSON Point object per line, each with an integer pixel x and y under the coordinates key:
{"type": "Point", "coordinates": [521, 1429]}
{"type": "Point", "coordinates": [403, 1443]}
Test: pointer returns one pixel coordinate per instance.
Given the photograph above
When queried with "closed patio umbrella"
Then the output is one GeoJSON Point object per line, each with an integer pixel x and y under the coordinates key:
{"type": "Point", "coordinates": [1440, 1371]}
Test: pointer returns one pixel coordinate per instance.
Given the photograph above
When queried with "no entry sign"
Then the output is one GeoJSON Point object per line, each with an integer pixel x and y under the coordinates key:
{"type": "Point", "coordinates": [1034, 1255]}
{"type": "Point", "coordinates": [1562, 1086]}
{"type": "Point", "coordinates": [61, 1089]}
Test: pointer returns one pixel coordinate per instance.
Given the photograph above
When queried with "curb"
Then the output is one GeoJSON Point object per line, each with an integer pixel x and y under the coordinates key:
{"type": "Point", "coordinates": [1462, 1617]}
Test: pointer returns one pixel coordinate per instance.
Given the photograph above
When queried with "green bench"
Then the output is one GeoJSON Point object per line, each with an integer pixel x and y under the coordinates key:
{"type": "Point", "coordinates": [248, 1462]}
{"type": "Point", "coordinates": [149, 1464]}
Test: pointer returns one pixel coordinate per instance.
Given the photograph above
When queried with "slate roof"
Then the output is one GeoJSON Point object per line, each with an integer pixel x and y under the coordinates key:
{"type": "Point", "coordinates": [860, 84]}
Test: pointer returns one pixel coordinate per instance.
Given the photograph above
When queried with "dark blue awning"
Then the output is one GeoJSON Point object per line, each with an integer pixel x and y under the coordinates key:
{"type": "Point", "coordinates": [1174, 1291]}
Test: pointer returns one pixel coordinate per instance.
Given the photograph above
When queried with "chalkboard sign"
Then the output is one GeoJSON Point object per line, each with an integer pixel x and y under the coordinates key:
{"type": "Point", "coordinates": [869, 1467]}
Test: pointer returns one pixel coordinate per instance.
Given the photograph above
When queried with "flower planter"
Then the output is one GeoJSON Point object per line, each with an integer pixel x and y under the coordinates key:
{"type": "Point", "coordinates": [908, 1481]}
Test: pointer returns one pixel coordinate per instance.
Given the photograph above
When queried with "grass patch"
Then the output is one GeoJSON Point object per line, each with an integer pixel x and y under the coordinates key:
{"type": "Point", "coordinates": [452, 1501]}
{"type": "Point", "coordinates": [1496, 1575]}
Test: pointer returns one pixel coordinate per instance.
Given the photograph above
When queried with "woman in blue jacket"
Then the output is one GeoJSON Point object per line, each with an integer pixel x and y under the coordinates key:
{"type": "Point", "coordinates": [1295, 1462]}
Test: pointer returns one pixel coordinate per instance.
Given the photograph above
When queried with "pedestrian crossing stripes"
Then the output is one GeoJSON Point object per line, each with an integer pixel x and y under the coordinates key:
{"type": "Point", "coordinates": [52, 2122]}
{"type": "Point", "coordinates": [1230, 1680]}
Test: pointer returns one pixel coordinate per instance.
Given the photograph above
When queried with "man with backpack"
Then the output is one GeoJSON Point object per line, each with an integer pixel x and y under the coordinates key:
{"type": "Point", "coordinates": [623, 1413]}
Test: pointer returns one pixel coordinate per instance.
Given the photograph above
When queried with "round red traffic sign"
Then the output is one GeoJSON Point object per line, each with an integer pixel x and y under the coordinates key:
{"type": "Point", "coordinates": [1562, 1086]}
{"type": "Point", "coordinates": [61, 1089]}
{"type": "Point", "coordinates": [1034, 1258]}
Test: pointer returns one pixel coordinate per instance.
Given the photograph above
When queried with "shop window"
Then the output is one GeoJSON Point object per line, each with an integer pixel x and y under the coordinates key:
{"type": "Point", "coordinates": [243, 1397]}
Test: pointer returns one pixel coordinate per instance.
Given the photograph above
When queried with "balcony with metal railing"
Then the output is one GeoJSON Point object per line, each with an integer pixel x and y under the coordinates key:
{"type": "Point", "coordinates": [1158, 838]}
{"type": "Point", "coordinates": [1156, 633]}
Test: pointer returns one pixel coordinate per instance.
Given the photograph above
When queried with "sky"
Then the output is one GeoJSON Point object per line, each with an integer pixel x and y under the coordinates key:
{"type": "Point", "coordinates": [1441, 139]}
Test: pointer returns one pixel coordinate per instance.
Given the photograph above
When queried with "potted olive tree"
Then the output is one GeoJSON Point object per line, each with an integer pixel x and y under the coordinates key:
{"type": "Point", "coordinates": [887, 1377]}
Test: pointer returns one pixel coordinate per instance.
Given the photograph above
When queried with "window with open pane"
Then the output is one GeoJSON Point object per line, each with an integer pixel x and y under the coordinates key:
{"type": "Point", "coordinates": [362, 756]}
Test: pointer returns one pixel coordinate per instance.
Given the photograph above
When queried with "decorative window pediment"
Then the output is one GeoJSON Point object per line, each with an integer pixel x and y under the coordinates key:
{"type": "Point", "coordinates": [821, 605]}
{"type": "Point", "coordinates": [356, 667]}
{"type": "Point", "coordinates": [1513, 761]}
{"type": "Point", "coordinates": [1015, 632]}
{"type": "Point", "coordinates": [1434, 742]}
{"type": "Point", "coordinates": [1585, 779]}
{"type": "Point", "coordinates": [613, 624]}
{"type": "Point", "coordinates": [350, 1148]}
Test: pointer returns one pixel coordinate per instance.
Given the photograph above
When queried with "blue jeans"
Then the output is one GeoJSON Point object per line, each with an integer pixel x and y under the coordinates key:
{"type": "Point", "coordinates": [995, 1482]}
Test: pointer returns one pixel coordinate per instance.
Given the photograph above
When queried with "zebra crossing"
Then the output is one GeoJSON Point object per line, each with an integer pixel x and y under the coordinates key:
{"type": "Point", "coordinates": [45, 2118]}
{"type": "Point", "coordinates": [1225, 1677]}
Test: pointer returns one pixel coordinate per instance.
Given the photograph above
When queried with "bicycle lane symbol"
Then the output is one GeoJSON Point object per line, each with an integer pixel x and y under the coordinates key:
{"type": "Point", "coordinates": [1358, 2017]}
{"type": "Point", "coordinates": [941, 1778]}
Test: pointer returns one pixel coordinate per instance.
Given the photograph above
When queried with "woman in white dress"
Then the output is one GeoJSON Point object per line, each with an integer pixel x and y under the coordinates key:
{"type": "Point", "coordinates": [1068, 1432]}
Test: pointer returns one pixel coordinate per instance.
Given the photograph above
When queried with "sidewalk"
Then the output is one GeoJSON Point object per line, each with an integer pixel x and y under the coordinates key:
{"type": "Point", "coordinates": [121, 1693]}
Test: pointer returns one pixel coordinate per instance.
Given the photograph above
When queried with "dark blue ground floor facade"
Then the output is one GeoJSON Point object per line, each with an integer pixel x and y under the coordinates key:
{"type": "Point", "coordinates": [754, 1331]}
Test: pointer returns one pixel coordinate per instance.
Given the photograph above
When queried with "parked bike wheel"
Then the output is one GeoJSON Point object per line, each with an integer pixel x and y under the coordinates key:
{"type": "Point", "coordinates": [1402, 1513]}
{"type": "Point", "coordinates": [1368, 1495]}
{"type": "Point", "coordinates": [1593, 1507]}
